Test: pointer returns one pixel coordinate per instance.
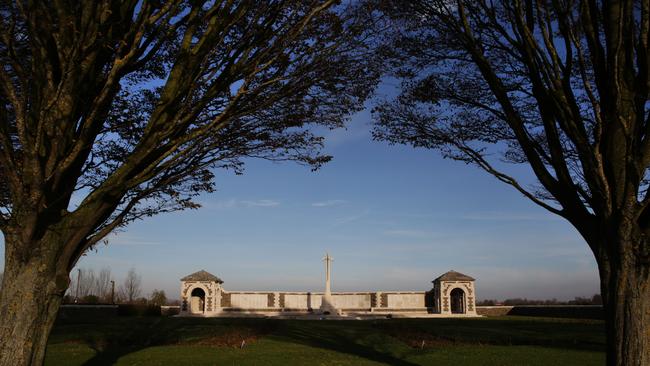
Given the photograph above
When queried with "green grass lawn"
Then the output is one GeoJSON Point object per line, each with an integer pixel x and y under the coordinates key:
{"type": "Point", "coordinates": [193, 341]}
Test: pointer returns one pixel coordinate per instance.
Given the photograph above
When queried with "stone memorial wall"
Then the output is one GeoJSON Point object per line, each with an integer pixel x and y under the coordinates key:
{"type": "Point", "coordinates": [202, 294]}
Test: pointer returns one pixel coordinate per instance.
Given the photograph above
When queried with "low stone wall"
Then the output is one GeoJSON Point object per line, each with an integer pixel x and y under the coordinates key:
{"type": "Point", "coordinates": [249, 300]}
{"type": "Point", "coordinates": [405, 300]}
{"type": "Point", "coordinates": [493, 310]}
{"type": "Point", "coordinates": [304, 301]}
{"type": "Point", "coordinates": [70, 311]}
{"type": "Point", "coordinates": [552, 311]}
{"type": "Point", "coordinates": [561, 311]}
{"type": "Point", "coordinates": [170, 310]}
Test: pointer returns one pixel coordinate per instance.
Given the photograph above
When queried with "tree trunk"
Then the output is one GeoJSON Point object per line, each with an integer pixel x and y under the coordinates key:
{"type": "Point", "coordinates": [31, 295]}
{"type": "Point", "coordinates": [625, 286]}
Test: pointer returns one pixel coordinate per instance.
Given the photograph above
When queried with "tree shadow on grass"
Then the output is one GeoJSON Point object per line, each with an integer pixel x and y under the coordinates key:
{"type": "Point", "coordinates": [387, 341]}
{"type": "Point", "coordinates": [559, 334]}
{"type": "Point", "coordinates": [347, 340]}
{"type": "Point", "coordinates": [324, 335]}
{"type": "Point", "coordinates": [130, 337]}
{"type": "Point", "coordinates": [110, 348]}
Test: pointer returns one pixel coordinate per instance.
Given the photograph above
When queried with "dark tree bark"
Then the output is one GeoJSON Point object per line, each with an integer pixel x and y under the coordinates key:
{"type": "Point", "coordinates": [31, 294]}
{"type": "Point", "coordinates": [559, 86]}
{"type": "Point", "coordinates": [130, 106]}
{"type": "Point", "coordinates": [625, 288]}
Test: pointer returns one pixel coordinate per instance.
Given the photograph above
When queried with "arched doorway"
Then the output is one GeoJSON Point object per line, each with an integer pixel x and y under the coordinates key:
{"type": "Point", "coordinates": [457, 301]}
{"type": "Point", "coordinates": [197, 301]}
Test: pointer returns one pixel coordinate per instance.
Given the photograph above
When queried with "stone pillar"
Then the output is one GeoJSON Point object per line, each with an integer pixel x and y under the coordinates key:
{"type": "Point", "coordinates": [216, 299]}
{"type": "Point", "coordinates": [185, 300]}
{"type": "Point", "coordinates": [470, 300]}
{"type": "Point", "coordinates": [276, 299]}
{"type": "Point", "coordinates": [209, 301]}
{"type": "Point", "coordinates": [375, 301]}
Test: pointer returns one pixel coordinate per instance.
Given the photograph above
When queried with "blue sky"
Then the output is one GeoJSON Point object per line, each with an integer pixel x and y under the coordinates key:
{"type": "Point", "coordinates": [393, 218]}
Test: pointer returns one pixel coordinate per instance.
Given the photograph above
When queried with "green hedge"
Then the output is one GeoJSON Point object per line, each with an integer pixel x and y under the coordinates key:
{"type": "Point", "coordinates": [138, 310]}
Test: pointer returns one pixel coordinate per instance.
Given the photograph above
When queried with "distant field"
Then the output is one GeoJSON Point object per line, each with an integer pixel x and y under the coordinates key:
{"type": "Point", "coordinates": [190, 341]}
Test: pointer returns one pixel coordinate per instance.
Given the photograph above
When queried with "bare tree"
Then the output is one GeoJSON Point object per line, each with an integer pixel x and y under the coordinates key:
{"type": "Point", "coordinates": [560, 86]}
{"type": "Point", "coordinates": [131, 105]}
{"type": "Point", "coordinates": [158, 297]}
{"type": "Point", "coordinates": [83, 283]}
{"type": "Point", "coordinates": [87, 283]}
{"type": "Point", "coordinates": [131, 288]}
{"type": "Point", "coordinates": [103, 284]}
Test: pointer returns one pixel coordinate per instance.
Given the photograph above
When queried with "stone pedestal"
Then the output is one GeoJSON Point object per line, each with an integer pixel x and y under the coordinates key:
{"type": "Point", "coordinates": [327, 306]}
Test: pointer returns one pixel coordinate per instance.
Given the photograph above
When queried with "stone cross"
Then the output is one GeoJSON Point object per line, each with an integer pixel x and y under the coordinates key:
{"type": "Point", "coordinates": [327, 304]}
{"type": "Point", "coordinates": [328, 269]}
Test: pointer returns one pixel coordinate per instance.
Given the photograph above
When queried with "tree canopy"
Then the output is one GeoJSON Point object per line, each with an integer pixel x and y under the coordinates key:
{"type": "Point", "coordinates": [127, 106]}
{"type": "Point", "coordinates": [560, 87]}
{"type": "Point", "coordinates": [550, 85]}
{"type": "Point", "coordinates": [112, 111]}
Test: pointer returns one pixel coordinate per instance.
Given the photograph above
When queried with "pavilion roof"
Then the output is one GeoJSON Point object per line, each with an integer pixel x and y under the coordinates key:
{"type": "Point", "coordinates": [202, 276]}
{"type": "Point", "coordinates": [454, 276]}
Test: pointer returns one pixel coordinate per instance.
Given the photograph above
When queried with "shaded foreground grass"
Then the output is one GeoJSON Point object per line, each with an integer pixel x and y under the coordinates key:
{"type": "Point", "coordinates": [194, 341]}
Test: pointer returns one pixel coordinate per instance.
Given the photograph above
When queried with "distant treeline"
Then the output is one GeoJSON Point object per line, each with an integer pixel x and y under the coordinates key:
{"type": "Point", "coordinates": [594, 300]}
{"type": "Point", "coordinates": [90, 287]}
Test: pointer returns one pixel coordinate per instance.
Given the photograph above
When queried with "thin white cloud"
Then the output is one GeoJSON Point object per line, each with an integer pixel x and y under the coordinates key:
{"type": "Point", "coordinates": [121, 238]}
{"type": "Point", "coordinates": [230, 203]}
{"type": "Point", "coordinates": [357, 129]}
{"type": "Point", "coordinates": [410, 233]}
{"type": "Point", "coordinates": [328, 203]}
{"type": "Point", "coordinates": [507, 216]}
{"type": "Point", "coordinates": [351, 218]}
{"type": "Point", "coordinates": [235, 203]}
{"type": "Point", "coordinates": [98, 261]}
{"type": "Point", "coordinates": [261, 203]}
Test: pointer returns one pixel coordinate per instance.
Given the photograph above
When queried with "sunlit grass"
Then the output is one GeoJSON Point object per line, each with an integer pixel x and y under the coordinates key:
{"type": "Point", "coordinates": [177, 341]}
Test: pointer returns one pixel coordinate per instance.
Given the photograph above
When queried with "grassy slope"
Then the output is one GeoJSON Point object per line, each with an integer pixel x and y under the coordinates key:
{"type": "Point", "coordinates": [178, 341]}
